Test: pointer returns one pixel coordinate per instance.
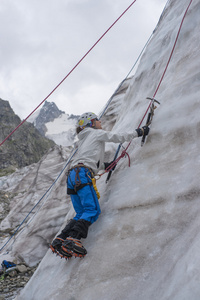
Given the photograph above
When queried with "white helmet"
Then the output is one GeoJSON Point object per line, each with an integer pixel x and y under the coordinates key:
{"type": "Point", "coordinates": [85, 119]}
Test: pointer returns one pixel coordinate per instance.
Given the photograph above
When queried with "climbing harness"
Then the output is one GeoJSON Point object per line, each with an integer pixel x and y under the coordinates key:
{"type": "Point", "coordinates": [78, 184]}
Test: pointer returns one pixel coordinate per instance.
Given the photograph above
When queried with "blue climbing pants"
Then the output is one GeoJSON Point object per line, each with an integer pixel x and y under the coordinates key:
{"type": "Point", "coordinates": [85, 201]}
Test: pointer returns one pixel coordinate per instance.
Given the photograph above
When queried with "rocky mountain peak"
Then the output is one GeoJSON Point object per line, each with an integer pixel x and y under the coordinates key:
{"type": "Point", "coordinates": [48, 113]}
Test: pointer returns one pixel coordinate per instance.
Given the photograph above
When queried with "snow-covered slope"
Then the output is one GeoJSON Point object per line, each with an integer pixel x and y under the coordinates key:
{"type": "Point", "coordinates": [146, 242]}
{"type": "Point", "coordinates": [55, 124]}
{"type": "Point", "coordinates": [62, 130]}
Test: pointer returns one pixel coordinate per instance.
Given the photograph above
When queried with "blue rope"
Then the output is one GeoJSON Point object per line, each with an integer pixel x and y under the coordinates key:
{"type": "Point", "coordinates": [68, 161]}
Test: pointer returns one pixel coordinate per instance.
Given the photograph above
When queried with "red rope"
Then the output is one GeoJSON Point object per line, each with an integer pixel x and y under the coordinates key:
{"type": "Point", "coordinates": [167, 61]}
{"type": "Point", "coordinates": [124, 152]}
{"type": "Point", "coordinates": [70, 71]}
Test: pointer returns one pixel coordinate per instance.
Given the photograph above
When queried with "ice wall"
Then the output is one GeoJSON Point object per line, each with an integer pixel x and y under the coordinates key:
{"type": "Point", "coordinates": [146, 242]}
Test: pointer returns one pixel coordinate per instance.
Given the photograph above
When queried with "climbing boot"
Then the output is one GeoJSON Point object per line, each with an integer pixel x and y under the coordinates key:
{"type": "Point", "coordinates": [57, 243]}
{"type": "Point", "coordinates": [74, 247]}
{"type": "Point", "coordinates": [80, 229]}
{"type": "Point", "coordinates": [56, 247]}
{"type": "Point", "coordinates": [66, 231]}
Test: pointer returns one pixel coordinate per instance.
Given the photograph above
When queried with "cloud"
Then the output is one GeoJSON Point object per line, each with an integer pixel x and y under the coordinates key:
{"type": "Point", "coordinates": [42, 41]}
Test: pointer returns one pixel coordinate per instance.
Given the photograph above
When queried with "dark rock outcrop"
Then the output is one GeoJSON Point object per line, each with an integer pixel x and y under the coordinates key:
{"type": "Point", "coordinates": [24, 147]}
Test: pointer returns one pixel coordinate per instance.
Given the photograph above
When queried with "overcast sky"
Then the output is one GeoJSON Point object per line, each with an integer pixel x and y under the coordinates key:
{"type": "Point", "coordinates": [42, 40]}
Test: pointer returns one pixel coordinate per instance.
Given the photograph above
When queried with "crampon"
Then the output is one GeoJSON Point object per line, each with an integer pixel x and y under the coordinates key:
{"type": "Point", "coordinates": [56, 247]}
{"type": "Point", "coordinates": [73, 247]}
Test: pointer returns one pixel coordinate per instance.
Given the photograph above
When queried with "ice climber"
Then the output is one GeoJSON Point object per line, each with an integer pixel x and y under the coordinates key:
{"type": "Point", "coordinates": [88, 160]}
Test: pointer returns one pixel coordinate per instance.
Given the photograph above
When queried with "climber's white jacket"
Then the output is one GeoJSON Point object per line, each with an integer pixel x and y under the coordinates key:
{"type": "Point", "coordinates": [91, 146]}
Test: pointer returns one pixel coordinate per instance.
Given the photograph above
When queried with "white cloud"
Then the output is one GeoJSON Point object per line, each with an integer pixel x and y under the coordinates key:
{"type": "Point", "coordinates": [43, 40]}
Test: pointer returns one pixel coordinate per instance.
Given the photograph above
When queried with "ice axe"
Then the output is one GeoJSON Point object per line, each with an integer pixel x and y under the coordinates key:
{"type": "Point", "coordinates": [115, 157]}
{"type": "Point", "coordinates": [150, 116]}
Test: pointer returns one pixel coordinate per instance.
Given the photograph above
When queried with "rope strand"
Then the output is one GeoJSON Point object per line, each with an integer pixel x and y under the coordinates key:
{"type": "Point", "coordinates": [70, 71]}
{"type": "Point", "coordinates": [124, 152]}
{"type": "Point", "coordinates": [170, 57]}
{"type": "Point", "coordinates": [73, 152]}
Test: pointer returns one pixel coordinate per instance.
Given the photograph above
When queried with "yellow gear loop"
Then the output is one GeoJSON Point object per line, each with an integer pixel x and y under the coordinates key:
{"type": "Point", "coordinates": [95, 187]}
{"type": "Point", "coordinates": [94, 184]}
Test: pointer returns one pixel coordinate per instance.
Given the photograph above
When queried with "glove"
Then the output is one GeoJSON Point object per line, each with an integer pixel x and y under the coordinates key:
{"type": "Point", "coordinates": [142, 131]}
{"type": "Point", "coordinates": [106, 164]}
